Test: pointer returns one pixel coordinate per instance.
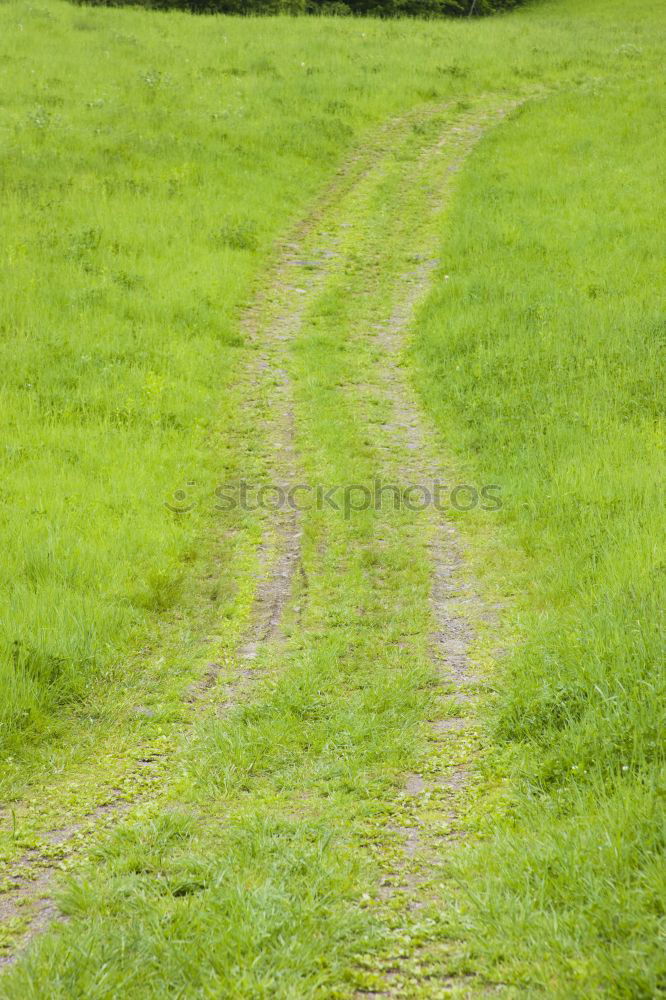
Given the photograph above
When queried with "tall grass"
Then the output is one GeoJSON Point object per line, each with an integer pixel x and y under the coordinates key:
{"type": "Point", "coordinates": [542, 360]}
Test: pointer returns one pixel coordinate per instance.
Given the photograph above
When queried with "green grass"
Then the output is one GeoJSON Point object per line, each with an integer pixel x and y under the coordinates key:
{"type": "Point", "coordinates": [150, 162]}
{"type": "Point", "coordinates": [542, 361]}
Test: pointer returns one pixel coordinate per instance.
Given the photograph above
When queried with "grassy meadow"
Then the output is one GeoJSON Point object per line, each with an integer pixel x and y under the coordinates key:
{"type": "Point", "coordinates": [149, 163]}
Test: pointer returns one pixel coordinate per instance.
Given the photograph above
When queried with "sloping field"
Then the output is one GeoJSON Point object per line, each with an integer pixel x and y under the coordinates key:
{"type": "Point", "coordinates": [309, 742]}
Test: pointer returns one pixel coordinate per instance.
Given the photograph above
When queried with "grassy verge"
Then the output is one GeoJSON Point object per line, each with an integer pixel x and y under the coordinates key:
{"type": "Point", "coordinates": [541, 359]}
